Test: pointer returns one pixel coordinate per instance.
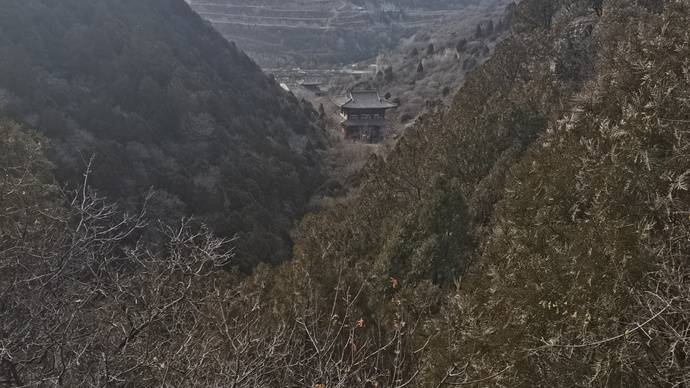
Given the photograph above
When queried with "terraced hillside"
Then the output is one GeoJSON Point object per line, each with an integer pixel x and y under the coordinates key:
{"type": "Point", "coordinates": [322, 32]}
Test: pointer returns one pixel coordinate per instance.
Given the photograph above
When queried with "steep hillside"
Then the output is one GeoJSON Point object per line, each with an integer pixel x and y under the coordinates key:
{"type": "Point", "coordinates": [312, 33]}
{"type": "Point", "coordinates": [583, 278]}
{"type": "Point", "coordinates": [536, 233]}
{"type": "Point", "coordinates": [161, 101]}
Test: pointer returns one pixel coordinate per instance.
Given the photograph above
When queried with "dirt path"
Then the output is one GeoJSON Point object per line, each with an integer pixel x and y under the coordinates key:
{"type": "Point", "coordinates": [335, 13]}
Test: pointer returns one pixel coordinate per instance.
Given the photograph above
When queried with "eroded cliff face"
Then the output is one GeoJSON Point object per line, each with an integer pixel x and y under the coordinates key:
{"type": "Point", "coordinates": [298, 32]}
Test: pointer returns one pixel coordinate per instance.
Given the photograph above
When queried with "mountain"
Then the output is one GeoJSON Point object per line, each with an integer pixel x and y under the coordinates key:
{"type": "Point", "coordinates": [533, 234]}
{"type": "Point", "coordinates": [314, 33]}
{"type": "Point", "coordinates": [162, 102]}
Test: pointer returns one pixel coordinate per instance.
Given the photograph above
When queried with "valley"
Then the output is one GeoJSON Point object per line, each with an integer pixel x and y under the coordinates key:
{"type": "Point", "coordinates": [502, 200]}
{"type": "Point", "coordinates": [371, 44]}
{"type": "Point", "coordinates": [448, 52]}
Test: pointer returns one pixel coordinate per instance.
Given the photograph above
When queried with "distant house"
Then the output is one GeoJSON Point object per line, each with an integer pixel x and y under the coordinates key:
{"type": "Point", "coordinates": [312, 85]}
{"type": "Point", "coordinates": [364, 114]}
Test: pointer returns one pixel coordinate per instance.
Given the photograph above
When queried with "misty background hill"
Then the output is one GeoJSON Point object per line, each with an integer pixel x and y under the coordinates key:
{"type": "Point", "coordinates": [312, 33]}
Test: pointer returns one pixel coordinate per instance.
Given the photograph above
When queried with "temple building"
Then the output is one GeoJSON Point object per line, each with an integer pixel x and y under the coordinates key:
{"type": "Point", "coordinates": [311, 85]}
{"type": "Point", "coordinates": [364, 114]}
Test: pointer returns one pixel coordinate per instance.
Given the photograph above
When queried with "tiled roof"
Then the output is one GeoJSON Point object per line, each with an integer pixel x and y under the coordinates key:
{"type": "Point", "coordinates": [367, 99]}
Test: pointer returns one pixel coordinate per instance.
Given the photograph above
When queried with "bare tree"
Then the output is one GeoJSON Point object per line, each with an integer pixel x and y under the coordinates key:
{"type": "Point", "coordinates": [85, 302]}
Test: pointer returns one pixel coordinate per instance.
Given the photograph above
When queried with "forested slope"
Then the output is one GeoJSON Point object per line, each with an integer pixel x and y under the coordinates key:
{"type": "Point", "coordinates": [536, 232]}
{"type": "Point", "coordinates": [583, 280]}
{"type": "Point", "coordinates": [161, 101]}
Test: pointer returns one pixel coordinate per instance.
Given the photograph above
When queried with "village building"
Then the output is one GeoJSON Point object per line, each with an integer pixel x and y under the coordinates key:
{"type": "Point", "coordinates": [364, 114]}
{"type": "Point", "coordinates": [311, 85]}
